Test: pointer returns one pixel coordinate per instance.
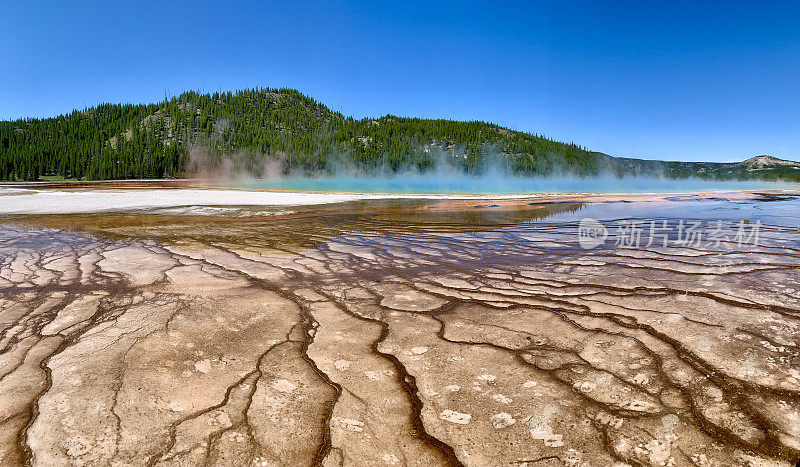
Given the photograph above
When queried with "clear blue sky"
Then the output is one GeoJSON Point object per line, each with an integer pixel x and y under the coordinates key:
{"type": "Point", "coordinates": [674, 80]}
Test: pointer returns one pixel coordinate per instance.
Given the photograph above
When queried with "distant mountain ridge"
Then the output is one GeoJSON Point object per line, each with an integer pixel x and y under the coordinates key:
{"type": "Point", "coordinates": [758, 167]}
{"type": "Point", "coordinates": [281, 130]}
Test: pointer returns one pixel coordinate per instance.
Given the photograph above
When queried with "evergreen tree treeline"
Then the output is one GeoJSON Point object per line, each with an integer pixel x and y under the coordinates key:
{"type": "Point", "coordinates": [124, 141]}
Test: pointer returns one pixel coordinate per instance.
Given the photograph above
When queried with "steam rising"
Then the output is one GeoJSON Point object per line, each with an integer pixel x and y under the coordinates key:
{"type": "Point", "coordinates": [251, 169]}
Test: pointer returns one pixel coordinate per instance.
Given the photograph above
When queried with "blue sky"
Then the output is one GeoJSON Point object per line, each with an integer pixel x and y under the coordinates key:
{"type": "Point", "coordinates": [672, 80]}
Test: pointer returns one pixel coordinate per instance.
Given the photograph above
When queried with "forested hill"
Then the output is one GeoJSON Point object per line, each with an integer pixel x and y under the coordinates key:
{"type": "Point", "coordinates": [248, 129]}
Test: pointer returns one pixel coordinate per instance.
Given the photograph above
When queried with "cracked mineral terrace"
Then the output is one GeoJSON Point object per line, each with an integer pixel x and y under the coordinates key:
{"type": "Point", "coordinates": [407, 332]}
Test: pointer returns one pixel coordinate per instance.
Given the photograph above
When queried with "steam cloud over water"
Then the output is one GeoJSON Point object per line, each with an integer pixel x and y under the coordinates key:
{"type": "Point", "coordinates": [246, 169]}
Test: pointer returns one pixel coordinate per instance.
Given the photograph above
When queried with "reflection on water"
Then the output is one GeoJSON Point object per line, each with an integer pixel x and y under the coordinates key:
{"type": "Point", "coordinates": [302, 227]}
{"type": "Point", "coordinates": [785, 212]}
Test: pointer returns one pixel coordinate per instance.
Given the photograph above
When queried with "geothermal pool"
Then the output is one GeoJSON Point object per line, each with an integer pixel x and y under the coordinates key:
{"type": "Point", "coordinates": [458, 183]}
{"type": "Point", "coordinates": [391, 331]}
